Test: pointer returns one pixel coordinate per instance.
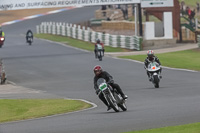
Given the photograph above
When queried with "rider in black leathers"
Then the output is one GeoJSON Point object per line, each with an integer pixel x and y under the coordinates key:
{"type": "Point", "coordinates": [96, 49]}
{"type": "Point", "coordinates": [99, 73]}
{"type": "Point", "coordinates": [29, 33]}
{"type": "Point", "coordinates": [151, 57]}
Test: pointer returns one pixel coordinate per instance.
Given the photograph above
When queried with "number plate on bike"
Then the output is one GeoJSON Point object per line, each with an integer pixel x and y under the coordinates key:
{"type": "Point", "coordinates": [103, 86]}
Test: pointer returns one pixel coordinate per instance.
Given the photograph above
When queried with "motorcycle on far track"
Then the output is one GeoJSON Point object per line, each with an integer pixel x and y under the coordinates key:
{"type": "Point", "coordinates": [113, 98]}
{"type": "Point", "coordinates": [2, 39]}
{"type": "Point", "coordinates": [99, 52]}
{"type": "Point", "coordinates": [154, 71]}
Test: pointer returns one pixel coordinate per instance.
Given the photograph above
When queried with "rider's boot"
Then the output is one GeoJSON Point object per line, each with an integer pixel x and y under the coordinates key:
{"type": "Point", "coordinates": [124, 97]}
{"type": "Point", "coordinates": [108, 108]}
{"type": "Point", "coordinates": [160, 73]}
{"type": "Point", "coordinates": [119, 90]}
{"type": "Point", "coordinates": [95, 53]}
{"type": "Point", "coordinates": [149, 78]}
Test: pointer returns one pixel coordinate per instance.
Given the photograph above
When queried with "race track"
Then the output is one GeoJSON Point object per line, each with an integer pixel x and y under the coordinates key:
{"type": "Point", "coordinates": [57, 71]}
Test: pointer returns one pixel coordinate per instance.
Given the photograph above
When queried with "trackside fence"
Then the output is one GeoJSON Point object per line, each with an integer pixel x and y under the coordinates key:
{"type": "Point", "coordinates": [86, 34]}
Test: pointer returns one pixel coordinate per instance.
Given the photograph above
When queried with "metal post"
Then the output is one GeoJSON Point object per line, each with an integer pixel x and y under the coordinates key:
{"type": "Point", "coordinates": [140, 19]}
{"type": "Point", "coordinates": [196, 23]}
{"type": "Point", "coordinates": [180, 31]}
{"type": "Point", "coordinates": [180, 34]}
{"type": "Point", "coordinates": [136, 24]}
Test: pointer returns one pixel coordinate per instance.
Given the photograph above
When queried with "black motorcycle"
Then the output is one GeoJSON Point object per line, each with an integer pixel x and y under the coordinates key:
{"type": "Point", "coordinates": [113, 98]}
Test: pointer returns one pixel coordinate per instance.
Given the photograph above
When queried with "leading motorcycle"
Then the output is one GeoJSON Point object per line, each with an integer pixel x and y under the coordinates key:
{"type": "Point", "coordinates": [113, 98]}
{"type": "Point", "coordinates": [99, 52]}
{"type": "Point", "coordinates": [2, 39]}
{"type": "Point", "coordinates": [154, 71]}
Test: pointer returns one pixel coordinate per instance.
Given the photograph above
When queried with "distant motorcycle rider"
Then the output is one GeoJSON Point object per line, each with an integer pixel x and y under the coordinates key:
{"type": "Point", "coordinates": [29, 34]}
{"type": "Point", "coordinates": [150, 58]}
{"type": "Point", "coordinates": [98, 42]}
{"type": "Point", "coordinates": [99, 73]}
{"type": "Point", "coordinates": [2, 34]}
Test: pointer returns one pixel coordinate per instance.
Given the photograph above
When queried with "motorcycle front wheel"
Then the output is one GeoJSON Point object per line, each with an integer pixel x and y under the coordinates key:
{"type": "Point", "coordinates": [112, 103]}
{"type": "Point", "coordinates": [156, 81]}
{"type": "Point", "coordinates": [100, 56]}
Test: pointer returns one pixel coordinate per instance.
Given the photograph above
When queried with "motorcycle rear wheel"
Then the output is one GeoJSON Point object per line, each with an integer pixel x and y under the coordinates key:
{"type": "Point", "coordinates": [123, 106]}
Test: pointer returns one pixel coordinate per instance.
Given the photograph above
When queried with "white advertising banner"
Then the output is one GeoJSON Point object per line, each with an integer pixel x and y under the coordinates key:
{"type": "Point", "coordinates": [157, 3]}
{"type": "Point", "coordinates": [32, 4]}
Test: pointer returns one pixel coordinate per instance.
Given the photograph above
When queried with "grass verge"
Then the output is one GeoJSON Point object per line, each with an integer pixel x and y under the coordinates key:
{"type": "Point", "coordinates": [187, 59]}
{"type": "Point", "coordinates": [77, 43]}
{"type": "Point", "coordinates": [21, 109]}
{"type": "Point", "coordinates": [189, 128]}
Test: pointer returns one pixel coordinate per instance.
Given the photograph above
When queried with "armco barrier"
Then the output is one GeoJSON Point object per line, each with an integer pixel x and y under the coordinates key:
{"type": "Point", "coordinates": [75, 31]}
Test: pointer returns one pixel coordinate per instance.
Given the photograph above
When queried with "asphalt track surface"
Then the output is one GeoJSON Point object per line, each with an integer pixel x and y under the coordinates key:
{"type": "Point", "coordinates": [57, 71]}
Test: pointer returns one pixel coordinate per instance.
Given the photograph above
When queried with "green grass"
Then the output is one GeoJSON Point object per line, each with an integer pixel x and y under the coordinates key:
{"type": "Point", "coordinates": [77, 43]}
{"type": "Point", "coordinates": [188, 59]}
{"type": "Point", "coordinates": [20, 109]}
{"type": "Point", "coordinates": [189, 128]}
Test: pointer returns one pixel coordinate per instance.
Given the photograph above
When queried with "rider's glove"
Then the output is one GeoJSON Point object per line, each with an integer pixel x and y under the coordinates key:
{"type": "Point", "coordinates": [111, 82]}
